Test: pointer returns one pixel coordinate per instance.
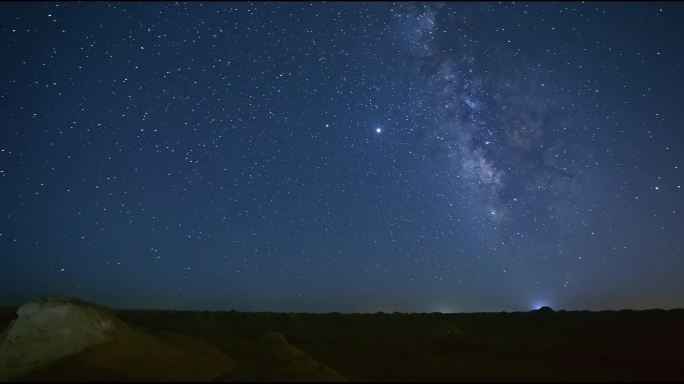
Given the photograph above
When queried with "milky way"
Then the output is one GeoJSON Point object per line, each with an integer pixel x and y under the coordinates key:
{"type": "Point", "coordinates": [343, 156]}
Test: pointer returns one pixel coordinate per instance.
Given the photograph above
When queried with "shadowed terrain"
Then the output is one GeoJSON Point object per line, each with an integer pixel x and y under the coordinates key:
{"type": "Point", "coordinates": [621, 345]}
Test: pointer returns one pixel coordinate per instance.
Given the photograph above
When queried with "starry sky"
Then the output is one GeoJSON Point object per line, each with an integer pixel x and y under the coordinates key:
{"type": "Point", "coordinates": [349, 157]}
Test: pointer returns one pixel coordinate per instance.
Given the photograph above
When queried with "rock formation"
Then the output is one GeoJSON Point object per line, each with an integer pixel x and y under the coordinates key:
{"type": "Point", "coordinates": [58, 338]}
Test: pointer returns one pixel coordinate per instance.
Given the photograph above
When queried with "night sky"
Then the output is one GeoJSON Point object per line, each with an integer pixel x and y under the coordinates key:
{"type": "Point", "coordinates": [350, 157]}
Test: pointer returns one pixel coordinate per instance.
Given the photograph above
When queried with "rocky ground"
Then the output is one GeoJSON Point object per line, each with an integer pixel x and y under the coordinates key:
{"type": "Point", "coordinates": [610, 345]}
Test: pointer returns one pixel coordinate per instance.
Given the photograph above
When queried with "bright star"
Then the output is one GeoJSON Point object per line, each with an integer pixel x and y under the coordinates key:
{"type": "Point", "coordinates": [378, 130]}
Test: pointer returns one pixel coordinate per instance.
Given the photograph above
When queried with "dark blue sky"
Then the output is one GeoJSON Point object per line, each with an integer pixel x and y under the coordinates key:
{"type": "Point", "coordinates": [343, 156]}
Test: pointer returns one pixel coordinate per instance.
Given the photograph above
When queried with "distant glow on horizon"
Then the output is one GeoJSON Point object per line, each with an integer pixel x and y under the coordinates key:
{"type": "Point", "coordinates": [538, 304]}
{"type": "Point", "coordinates": [445, 309]}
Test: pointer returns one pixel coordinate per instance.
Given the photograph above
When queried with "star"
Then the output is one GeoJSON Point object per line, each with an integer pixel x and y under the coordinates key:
{"type": "Point", "coordinates": [378, 130]}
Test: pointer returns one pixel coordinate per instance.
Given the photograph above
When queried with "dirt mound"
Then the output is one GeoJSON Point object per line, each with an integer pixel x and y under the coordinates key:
{"type": "Point", "coordinates": [280, 360]}
{"type": "Point", "coordinates": [67, 339]}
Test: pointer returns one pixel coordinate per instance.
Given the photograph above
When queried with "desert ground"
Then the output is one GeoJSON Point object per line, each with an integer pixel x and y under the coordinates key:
{"type": "Point", "coordinates": [536, 345]}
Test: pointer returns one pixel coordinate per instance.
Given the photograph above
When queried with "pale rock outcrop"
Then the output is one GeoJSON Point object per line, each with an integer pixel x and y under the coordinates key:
{"type": "Point", "coordinates": [67, 339]}
{"type": "Point", "coordinates": [49, 329]}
